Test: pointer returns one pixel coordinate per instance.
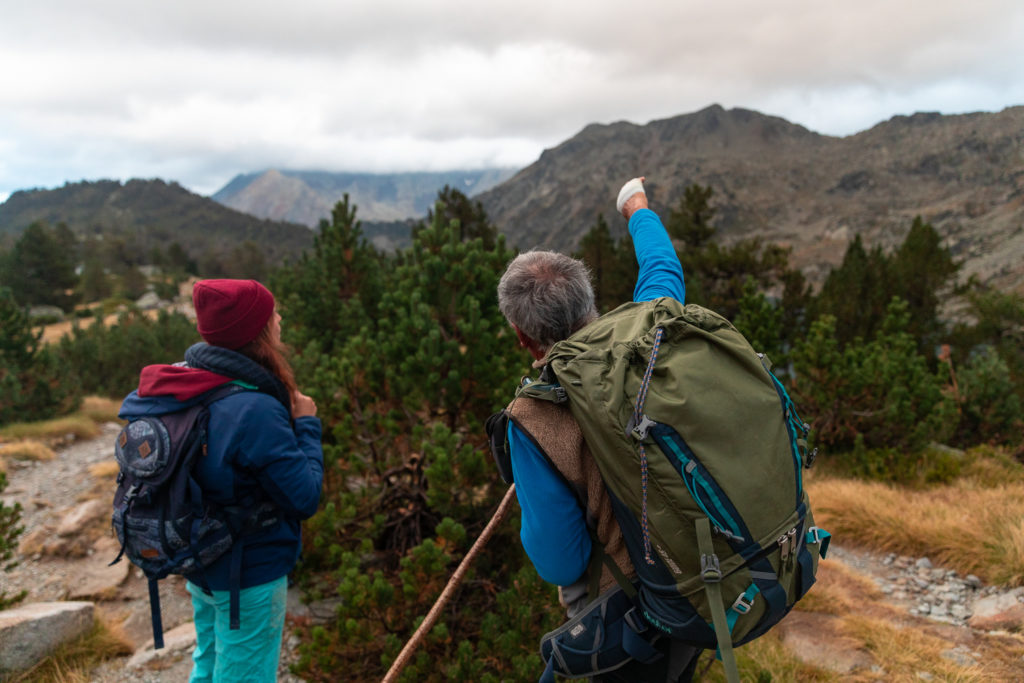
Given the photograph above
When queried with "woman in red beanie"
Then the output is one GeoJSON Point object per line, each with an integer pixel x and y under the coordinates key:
{"type": "Point", "coordinates": [263, 455]}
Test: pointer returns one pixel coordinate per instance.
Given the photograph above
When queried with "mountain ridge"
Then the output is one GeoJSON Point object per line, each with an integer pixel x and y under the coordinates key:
{"type": "Point", "coordinates": [787, 184]}
{"type": "Point", "coordinates": [307, 196]}
{"type": "Point", "coordinates": [148, 213]}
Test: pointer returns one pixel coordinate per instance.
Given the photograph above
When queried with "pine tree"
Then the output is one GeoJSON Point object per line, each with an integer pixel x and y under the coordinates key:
{"type": "Point", "coordinates": [612, 265]}
{"type": "Point", "coordinates": [409, 480]}
{"type": "Point", "coordinates": [469, 217]}
{"type": "Point", "coordinates": [921, 270]}
{"type": "Point", "coordinates": [34, 383]}
{"type": "Point", "coordinates": [331, 291]}
{"type": "Point", "coordinates": [41, 267]}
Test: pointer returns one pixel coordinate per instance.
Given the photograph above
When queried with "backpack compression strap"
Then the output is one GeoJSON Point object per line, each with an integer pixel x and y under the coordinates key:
{"type": "Point", "coordinates": [712, 575]}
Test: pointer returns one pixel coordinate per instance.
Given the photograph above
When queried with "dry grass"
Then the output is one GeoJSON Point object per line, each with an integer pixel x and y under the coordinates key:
{"type": "Point", "coordinates": [26, 450]}
{"type": "Point", "coordinates": [83, 424]}
{"type": "Point", "coordinates": [104, 470]}
{"type": "Point", "coordinates": [73, 662]}
{"type": "Point", "coordinates": [104, 476]}
{"type": "Point", "coordinates": [765, 659]}
{"type": "Point", "coordinates": [839, 590]}
{"type": "Point", "coordinates": [974, 525]}
{"type": "Point", "coordinates": [76, 425]}
{"type": "Point", "coordinates": [100, 409]}
{"type": "Point", "coordinates": [907, 651]}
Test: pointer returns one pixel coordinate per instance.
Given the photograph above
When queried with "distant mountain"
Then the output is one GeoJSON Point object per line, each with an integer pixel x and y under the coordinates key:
{"type": "Point", "coordinates": [307, 196]}
{"type": "Point", "coordinates": [964, 174]}
{"type": "Point", "coordinates": [148, 213]}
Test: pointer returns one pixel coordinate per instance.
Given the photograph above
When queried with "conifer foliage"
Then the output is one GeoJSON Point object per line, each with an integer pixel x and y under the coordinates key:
{"type": "Point", "coordinates": [34, 383]}
{"type": "Point", "coordinates": [403, 397]}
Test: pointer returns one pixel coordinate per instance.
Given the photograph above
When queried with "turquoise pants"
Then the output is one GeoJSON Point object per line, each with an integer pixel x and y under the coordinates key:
{"type": "Point", "coordinates": [249, 654]}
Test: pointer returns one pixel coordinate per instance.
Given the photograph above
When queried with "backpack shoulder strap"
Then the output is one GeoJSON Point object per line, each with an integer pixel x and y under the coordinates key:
{"type": "Point", "coordinates": [544, 388]}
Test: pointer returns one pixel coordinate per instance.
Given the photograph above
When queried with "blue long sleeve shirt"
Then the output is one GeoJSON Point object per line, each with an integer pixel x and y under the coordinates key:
{"type": "Point", "coordinates": [554, 530]}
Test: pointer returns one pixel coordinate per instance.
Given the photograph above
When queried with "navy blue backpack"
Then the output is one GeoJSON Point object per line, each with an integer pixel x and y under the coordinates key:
{"type": "Point", "coordinates": [161, 520]}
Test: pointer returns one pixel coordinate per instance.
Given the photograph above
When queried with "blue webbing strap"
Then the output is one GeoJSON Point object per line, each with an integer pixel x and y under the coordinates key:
{"type": "Point", "coordinates": [741, 606]}
{"type": "Point", "coordinates": [154, 610]}
{"type": "Point", "coordinates": [636, 647]}
{"type": "Point", "coordinates": [549, 671]}
{"type": "Point", "coordinates": [819, 536]}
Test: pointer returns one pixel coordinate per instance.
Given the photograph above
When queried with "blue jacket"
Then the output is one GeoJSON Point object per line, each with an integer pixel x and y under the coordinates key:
{"type": "Point", "coordinates": [554, 531]}
{"type": "Point", "coordinates": [254, 449]}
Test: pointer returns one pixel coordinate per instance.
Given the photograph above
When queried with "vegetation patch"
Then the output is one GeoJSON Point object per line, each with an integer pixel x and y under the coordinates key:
{"type": "Point", "coordinates": [56, 430]}
{"type": "Point", "coordinates": [26, 450]}
{"type": "Point", "coordinates": [969, 524]}
{"type": "Point", "coordinates": [100, 409]}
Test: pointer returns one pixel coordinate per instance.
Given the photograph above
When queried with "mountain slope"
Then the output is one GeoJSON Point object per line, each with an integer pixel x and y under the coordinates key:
{"type": "Point", "coordinates": [148, 213]}
{"type": "Point", "coordinates": [307, 196]}
{"type": "Point", "coordinates": [778, 180]}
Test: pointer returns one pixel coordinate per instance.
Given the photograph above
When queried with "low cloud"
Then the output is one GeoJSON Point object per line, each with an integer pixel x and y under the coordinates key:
{"type": "Point", "coordinates": [197, 92]}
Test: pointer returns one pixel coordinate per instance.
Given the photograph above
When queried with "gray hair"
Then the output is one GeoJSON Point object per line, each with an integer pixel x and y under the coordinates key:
{"type": "Point", "coordinates": [547, 295]}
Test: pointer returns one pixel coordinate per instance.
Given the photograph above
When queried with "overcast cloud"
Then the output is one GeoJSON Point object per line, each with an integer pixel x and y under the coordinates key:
{"type": "Point", "coordinates": [199, 91]}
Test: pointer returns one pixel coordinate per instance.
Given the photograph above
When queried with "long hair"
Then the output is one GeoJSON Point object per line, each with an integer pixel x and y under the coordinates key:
{"type": "Point", "coordinates": [272, 355]}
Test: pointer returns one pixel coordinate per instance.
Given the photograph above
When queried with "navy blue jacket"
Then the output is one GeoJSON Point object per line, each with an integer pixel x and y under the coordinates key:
{"type": "Point", "coordinates": [254, 449]}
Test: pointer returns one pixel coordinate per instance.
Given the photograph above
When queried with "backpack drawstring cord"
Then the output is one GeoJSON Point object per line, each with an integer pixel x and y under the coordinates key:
{"type": "Point", "coordinates": [638, 410]}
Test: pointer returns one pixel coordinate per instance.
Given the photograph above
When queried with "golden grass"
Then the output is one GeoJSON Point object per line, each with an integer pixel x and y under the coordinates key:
{"type": "Point", "coordinates": [83, 424]}
{"type": "Point", "coordinates": [968, 526]}
{"type": "Point", "coordinates": [104, 470]}
{"type": "Point", "coordinates": [73, 662]}
{"type": "Point", "coordinates": [100, 409]}
{"type": "Point", "coordinates": [839, 590]}
{"type": "Point", "coordinates": [77, 425]}
{"type": "Point", "coordinates": [26, 450]}
{"type": "Point", "coordinates": [907, 651]}
{"type": "Point", "coordinates": [765, 659]}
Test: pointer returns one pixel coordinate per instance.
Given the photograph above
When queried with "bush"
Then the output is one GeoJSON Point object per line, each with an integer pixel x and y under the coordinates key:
{"type": "Point", "coordinates": [35, 383]}
{"type": "Point", "coordinates": [9, 532]}
{"type": "Point", "coordinates": [990, 409]}
{"type": "Point", "coordinates": [881, 392]}
{"type": "Point", "coordinates": [403, 395]}
{"type": "Point", "coordinates": [108, 359]}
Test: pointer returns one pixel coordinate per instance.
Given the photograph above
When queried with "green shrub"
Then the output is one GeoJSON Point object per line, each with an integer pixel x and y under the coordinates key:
{"type": "Point", "coordinates": [990, 408]}
{"type": "Point", "coordinates": [881, 392]}
{"type": "Point", "coordinates": [108, 359]}
{"type": "Point", "coordinates": [35, 383]}
{"type": "Point", "coordinates": [403, 393]}
{"type": "Point", "coordinates": [10, 515]}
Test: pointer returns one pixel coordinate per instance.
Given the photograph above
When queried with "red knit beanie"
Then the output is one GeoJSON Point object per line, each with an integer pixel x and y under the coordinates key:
{"type": "Point", "coordinates": [231, 313]}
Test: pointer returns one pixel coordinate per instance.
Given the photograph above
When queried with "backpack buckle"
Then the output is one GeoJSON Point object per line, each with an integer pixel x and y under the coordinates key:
{"type": "Point", "coordinates": [638, 430]}
{"type": "Point", "coordinates": [710, 569]}
{"type": "Point", "coordinates": [742, 604]}
{"type": "Point", "coordinates": [813, 535]}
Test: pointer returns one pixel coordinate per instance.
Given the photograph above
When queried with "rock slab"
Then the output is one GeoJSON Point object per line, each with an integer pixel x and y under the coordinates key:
{"type": "Point", "coordinates": [30, 632]}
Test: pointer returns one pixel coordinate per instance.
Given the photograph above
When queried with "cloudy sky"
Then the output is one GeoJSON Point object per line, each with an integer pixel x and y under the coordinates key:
{"type": "Point", "coordinates": [199, 91]}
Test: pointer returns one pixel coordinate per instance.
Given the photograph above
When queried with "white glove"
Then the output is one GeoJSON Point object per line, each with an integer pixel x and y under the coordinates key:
{"type": "Point", "coordinates": [628, 190]}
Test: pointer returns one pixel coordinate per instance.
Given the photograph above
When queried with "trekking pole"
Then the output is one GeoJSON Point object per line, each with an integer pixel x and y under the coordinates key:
{"type": "Point", "coordinates": [428, 623]}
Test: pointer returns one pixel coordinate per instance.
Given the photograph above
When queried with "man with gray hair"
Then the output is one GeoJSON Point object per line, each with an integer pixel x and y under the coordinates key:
{"type": "Point", "coordinates": [569, 530]}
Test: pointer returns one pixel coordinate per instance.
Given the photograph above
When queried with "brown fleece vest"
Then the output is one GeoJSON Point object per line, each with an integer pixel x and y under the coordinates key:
{"type": "Point", "coordinates": [554, 429]}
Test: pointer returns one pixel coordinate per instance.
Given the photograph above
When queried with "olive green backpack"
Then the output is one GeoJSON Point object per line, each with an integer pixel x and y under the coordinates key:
{"type": "Point", "coordinates": [701, 450]}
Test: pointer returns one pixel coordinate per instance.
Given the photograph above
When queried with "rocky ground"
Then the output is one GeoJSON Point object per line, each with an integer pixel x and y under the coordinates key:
{"type": "Point", "coordinates": [65, 550]}
{"type": "Point", "coordinates": [67, 546]}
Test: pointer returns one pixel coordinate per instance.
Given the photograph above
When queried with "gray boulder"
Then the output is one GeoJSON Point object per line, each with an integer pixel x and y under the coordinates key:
{"type": "Point", "coordinates": [30, 632]}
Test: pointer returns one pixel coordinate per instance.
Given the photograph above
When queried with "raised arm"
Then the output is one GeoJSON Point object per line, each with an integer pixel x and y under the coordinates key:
{"type": "Point", "coordinates": [660, 274]}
